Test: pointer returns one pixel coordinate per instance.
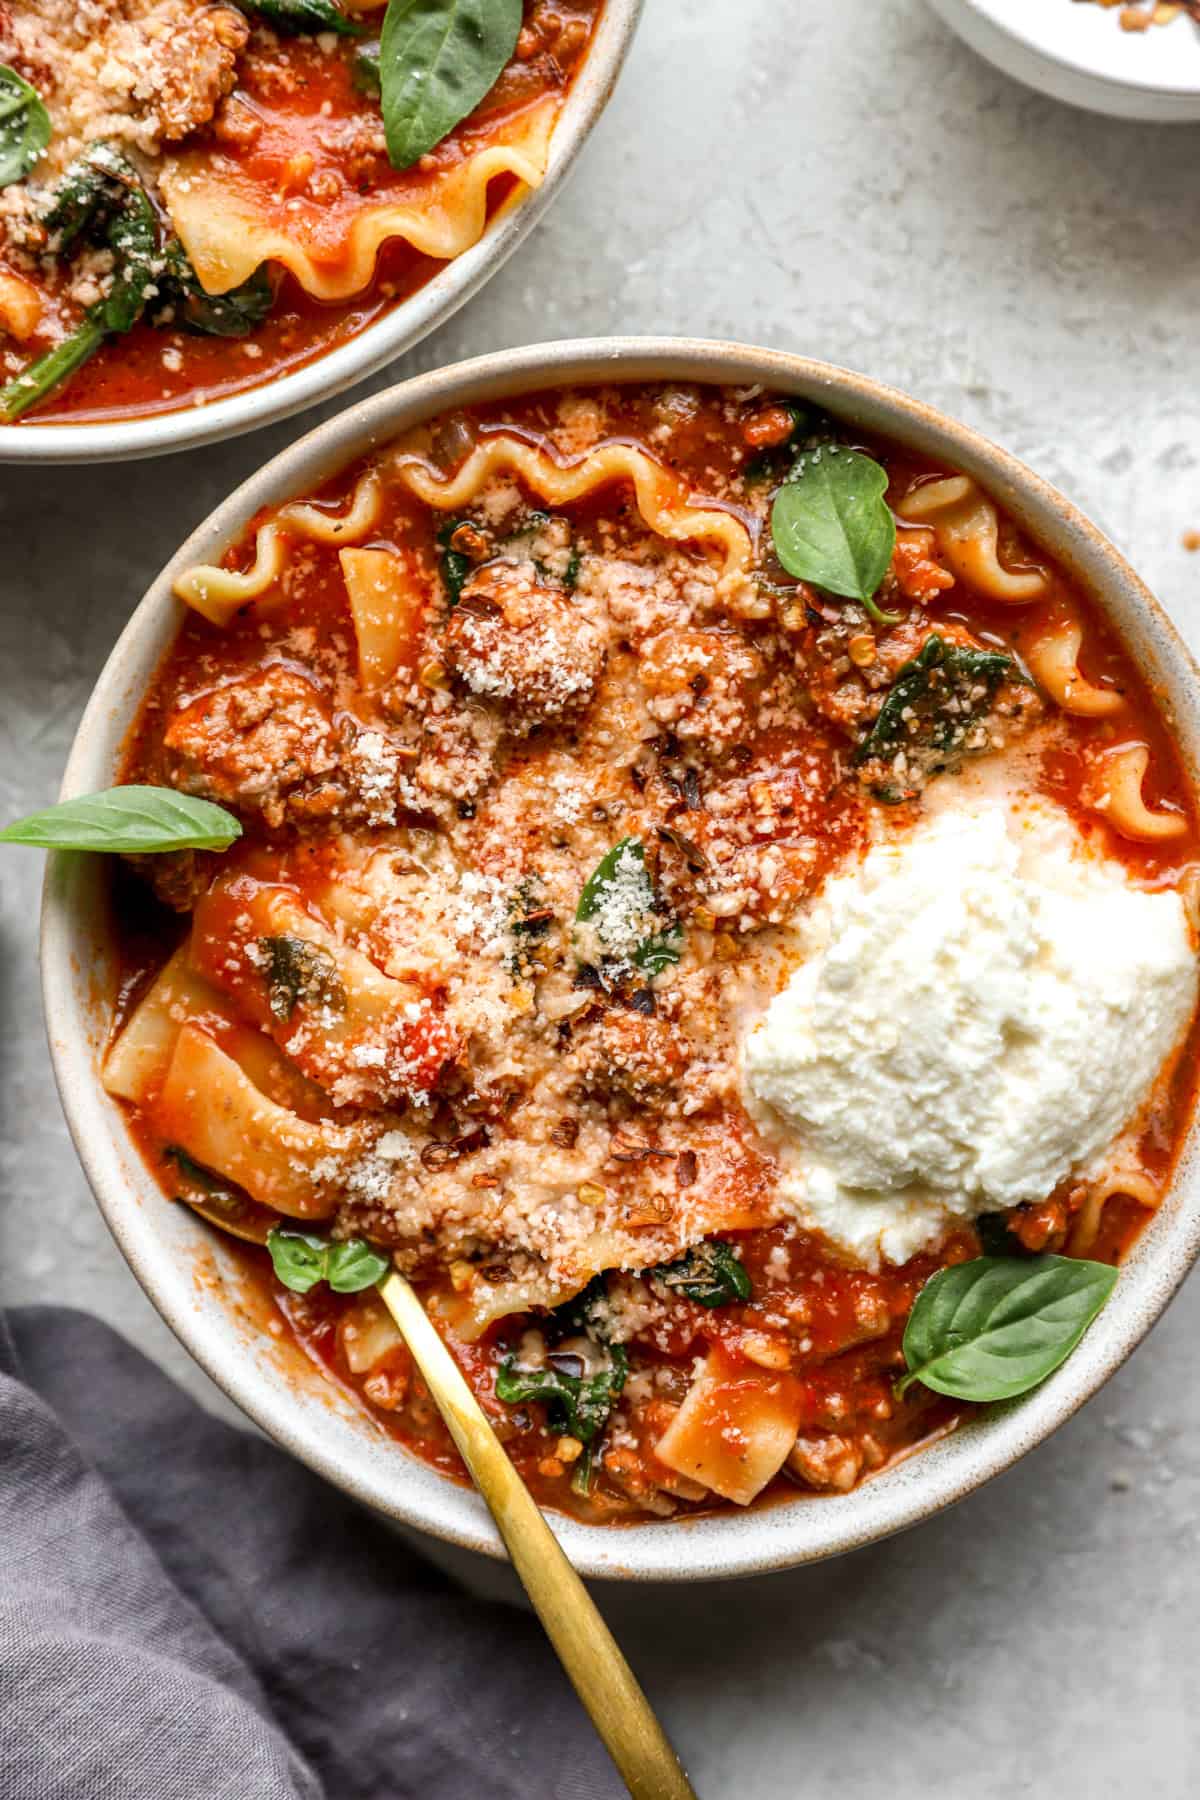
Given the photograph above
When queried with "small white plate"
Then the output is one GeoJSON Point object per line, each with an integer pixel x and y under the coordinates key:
{"type": "Point", "coordinates": [1080, 54]}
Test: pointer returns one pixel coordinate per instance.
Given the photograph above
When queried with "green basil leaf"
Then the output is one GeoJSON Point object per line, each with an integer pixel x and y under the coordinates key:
{"type": "Point", "coordinates": [993, 1328]}
{"type": "Point", "coordinates": [832, 526]}
{"type": "Point", "coordinates": [303, 1258]}
{"type": "Point", "coordinates": [352, 1265]}
{"type": "Point", "coordinates": [24, 126]}
{"type": "Point", "coordinates": [133, 819]}
{"type": "Point", "coordinates": [298, 1257]}
{"type": "Point", "coordinates": [711, 1274]}
{"type": "Point", "coordinates": [437, 60]}
{"type": "Point", "coordinates": [579, 1404]}
{"type": "Point", "coordinates": [300, 16]}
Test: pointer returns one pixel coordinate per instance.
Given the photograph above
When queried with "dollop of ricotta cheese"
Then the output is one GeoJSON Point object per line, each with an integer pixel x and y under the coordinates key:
{"type": "Point", "coordinates": [981, 1007]}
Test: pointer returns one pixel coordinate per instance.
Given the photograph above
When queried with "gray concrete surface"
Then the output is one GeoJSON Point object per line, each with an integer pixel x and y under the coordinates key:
{"type": "Point", "coordinates": [843, 179]}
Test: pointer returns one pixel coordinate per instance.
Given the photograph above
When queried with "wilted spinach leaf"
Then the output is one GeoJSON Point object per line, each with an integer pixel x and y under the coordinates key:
{"type": "Point", "coordinates": [934, 704]}
{"type": "Point", "coordinates": [300, 974]}
{"type": "Point", "coordinates": [456, 565]}
{"type": "Point", "coordinates": [620, 904]}
{"type": "Point", "coordinates": [233, 315]}
{"type": "Point", "coordinates": [576, 1401]}
{"type": "Point", "coordinates": [24, 126]}
{"type": "Point", "coordinates": [364, 70]}
{"type": "Point", "coordinates": [100, 197]}
{"type": "Point", "coordinates": [711, 1274]}
{"type": "Point", "coordinates": [301, 16]}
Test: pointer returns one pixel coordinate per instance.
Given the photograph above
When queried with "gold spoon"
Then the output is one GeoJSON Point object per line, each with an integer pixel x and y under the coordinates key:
{"type": "Point", "coordinates": [585, 1646]}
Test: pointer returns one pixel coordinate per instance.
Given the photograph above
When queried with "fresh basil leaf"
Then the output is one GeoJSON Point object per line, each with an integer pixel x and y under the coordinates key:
{"type": "Point", "coordinates": [303, 1258]}
{"type": "Point", "coordinates": [579, 1403]}
{"type": "Point", "coordinates": [832, 526]}
{"type": "Point", "coordinates": [298, 1257]}
{"type": "Point", "coordinates": [995, 1327]}
{"type": "Point", "coordinates": [24, 126]}
{"type": "Point", "coordinates": [352, 1265]}
{"type": "Point", "coordinates": [711, 1274]}
{"type": "Point", "coordinates": [300, 973]}
{"type": "Point", "coordinates": [622, 872]}
{"type": "Point", "coordinates": [301, 16]}
{"type": "Point", "coordinates": [437, 60]}
{"type": "Point", "coordinates": [132, 819]}
{"type": "Point", "coordinates": [935, 702]}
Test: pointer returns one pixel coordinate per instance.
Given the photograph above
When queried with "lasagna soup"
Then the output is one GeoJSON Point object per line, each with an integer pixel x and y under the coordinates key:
{"type": "Point", "coordinates": [670, 961]}
{"type": "Point", "coordinates": [197, 195]}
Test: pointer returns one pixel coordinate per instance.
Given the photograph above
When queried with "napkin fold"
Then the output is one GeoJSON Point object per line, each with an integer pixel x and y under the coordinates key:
{"type": "Point", "coordinates": [188, 1614]}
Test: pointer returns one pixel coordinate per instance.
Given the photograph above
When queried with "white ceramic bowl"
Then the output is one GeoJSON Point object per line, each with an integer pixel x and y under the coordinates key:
{"type": "Point", "coordinates": [186, 1270]}
{"type": "Point", "coordinates": [1080, 54]}
{"type": "Point", "coordinates": [381, 343]}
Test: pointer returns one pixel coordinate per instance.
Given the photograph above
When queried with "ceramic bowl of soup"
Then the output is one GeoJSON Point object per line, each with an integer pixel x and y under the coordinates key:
{"type": "Point", "coordinates": [1139, 61]}
{"type": "Point", "coordinates": [209, 228]}
{"type": "Point", "coordinates": [715, 886]}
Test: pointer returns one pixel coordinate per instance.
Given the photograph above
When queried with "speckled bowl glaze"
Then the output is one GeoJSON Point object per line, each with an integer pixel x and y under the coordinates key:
{"type": "Point", "coordinates": [194, 1281]}
{"type": "Point", "coordinates": [115, 440]}
{"type": "Point", "coordinates": [1081, 55]}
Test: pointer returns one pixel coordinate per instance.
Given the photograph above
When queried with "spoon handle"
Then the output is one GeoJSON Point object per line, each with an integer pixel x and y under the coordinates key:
{"type": "Point", "coordinates": [586, 1648]}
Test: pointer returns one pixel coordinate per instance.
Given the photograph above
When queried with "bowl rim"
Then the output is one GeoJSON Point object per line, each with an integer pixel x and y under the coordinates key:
{"type": "Point", "coordinates": [715, 1546]}
{"type": "Point", "coordinates": [1095, 48]}
{"type": "Point", "coordinates": [391, 336]}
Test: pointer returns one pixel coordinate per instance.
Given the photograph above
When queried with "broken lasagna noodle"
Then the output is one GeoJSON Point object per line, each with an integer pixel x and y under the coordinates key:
{"type": "Point", "coordinates": [539, 754]}
{"type": "Point", "coordinates": [262, 152]}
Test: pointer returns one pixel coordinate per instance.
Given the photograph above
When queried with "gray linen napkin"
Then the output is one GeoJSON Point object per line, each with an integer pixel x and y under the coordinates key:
{"type": "Point", "coordinates": [187, 1614]}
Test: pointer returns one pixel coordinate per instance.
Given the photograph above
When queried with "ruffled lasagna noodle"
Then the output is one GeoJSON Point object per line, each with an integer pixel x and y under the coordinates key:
{"type": "Point", "coordinates": [540, 753]}
{"type": "Point", "coordinates": [231, 221]}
